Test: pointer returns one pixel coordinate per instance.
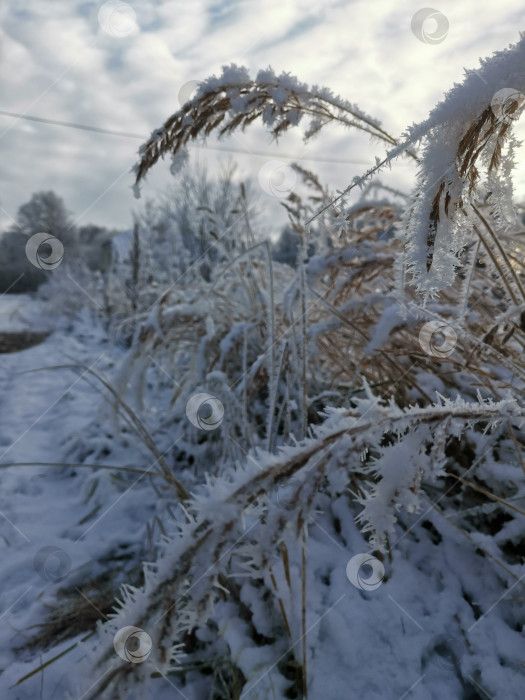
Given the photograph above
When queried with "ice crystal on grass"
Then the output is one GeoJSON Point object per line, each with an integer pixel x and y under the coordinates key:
{"type": "Point", "coordinates": [342, 417]}
{"type": "Point", "coordinates": [467, 158]}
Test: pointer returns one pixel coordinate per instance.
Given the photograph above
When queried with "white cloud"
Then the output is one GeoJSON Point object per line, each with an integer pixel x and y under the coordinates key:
{"type": "Point", "coordinates": [57, 62]}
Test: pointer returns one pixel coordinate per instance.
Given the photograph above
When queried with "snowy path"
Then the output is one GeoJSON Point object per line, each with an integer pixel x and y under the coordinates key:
{"type": "Point", "coordinates": [44, 415]}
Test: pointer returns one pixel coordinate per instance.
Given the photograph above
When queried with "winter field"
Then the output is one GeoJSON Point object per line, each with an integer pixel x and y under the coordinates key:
{"type": "Point", "coordinates": [268, 441]}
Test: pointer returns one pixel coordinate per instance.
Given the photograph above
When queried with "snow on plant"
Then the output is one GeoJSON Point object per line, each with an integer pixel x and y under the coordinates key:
{"type": "Point", "coordinates": [468, 134]}
{"type": "Point", "coordinates": [233, 525]}
{"type": "Point", "coordinates": [233, 100]}
{"type": "Point", "coordinates": [467, 158]}
{"type": "Point", "coordinates": [325, 387]}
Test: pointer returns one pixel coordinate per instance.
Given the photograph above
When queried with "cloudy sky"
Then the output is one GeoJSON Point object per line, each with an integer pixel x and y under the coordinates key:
{"type": "Point", "coordinates": [120, 66]}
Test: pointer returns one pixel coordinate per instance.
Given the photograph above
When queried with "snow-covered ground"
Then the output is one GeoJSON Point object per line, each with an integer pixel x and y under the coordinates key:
{"type": "Point", "coordinates": [55, 523]}
{"type": "Point", "coordinates": [416, 635]}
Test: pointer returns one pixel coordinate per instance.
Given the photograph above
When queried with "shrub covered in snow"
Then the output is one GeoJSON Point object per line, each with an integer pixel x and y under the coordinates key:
{"type": "Point", "coordinates": [377, 383]}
